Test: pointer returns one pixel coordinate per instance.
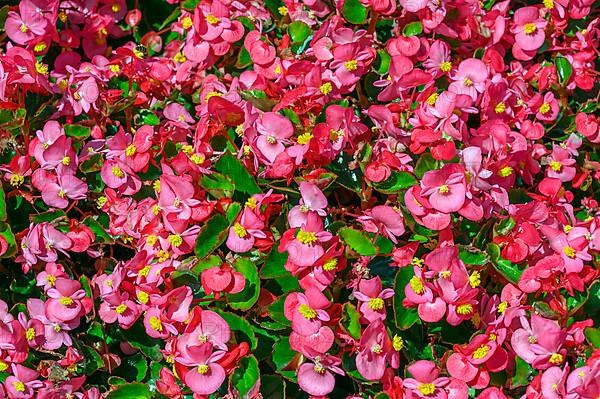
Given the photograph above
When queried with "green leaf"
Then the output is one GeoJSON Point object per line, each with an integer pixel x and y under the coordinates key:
{"type": "Point", "coordinates": [213, 234]}
{"type": "Point", "coordinates": [3, 15]}
{"type": "Point", "coordinates": [47, 216]}
{"type": "Point", "coordinates": [357, 241]}
{"type": "Point", "coordinates": [101, 235]}
{"type": "Point", "coordinates": [274, 265]}
{"type": "Point", "coordinates": [350, 320]}
{"type": "Point", "coordinates": [282, 353]}
{"type": "Point", "coordinates": [593, 336]}
{"type": "Point", "coordinates": [3, 213]}
{"type": "Point", "coordinates": [405, 317]}
{"type": "Point", "coordinates": [354, 12]}
{"type": "Point", "coordinates": [243, 59]}
{"type": "Point", "coordinates": [272, 387]}
{"type": "Point", "coordinates": [207, 263]}
{"type": "Point", "coordinates": [92, 361]}
{"type": "Point", "coordinates": [522, 373]}
{"type": "Point", "coordinates": [149, 117]}
{"type": "Point", "coordinates": [230, 166]}
{"type": "Point", "coordinates": [564, 70]}
{"type": "Point", "coordinates": [136, 336]}
{"type": "Point", "coordinates": [77, 131]}
{"type": "Point", "coordinates": [413, 29]}
{"type": "Point", "coordinates": [245, 299]}
{"type": "Point", "coordinates": [382, 62]}
{"type": "Point", "coordinates": [299, 31]}
{"type": "Point", "coordinates": [133, 368]}
{"type": "Point", "coordinates": [396, 182]}
{"type": "Point", "coordinates": [246, 375]}
{"type": "Point", "coordinates": [425, 163]}
{"type": "Point", "coordinates": [472, 256]}
{"type": "Point", "coordinates": [134, 390]}
{"type": "Point", "coordinates": [505, 267]}
{"type": "Point", "coordinates": [232, 211]}
{"type": "Point", "coordinates": [218, 185]}
{"type": "Point", "coordinates": [7, 234]}
{"type": "Point", "coordinates": [276, 311]}
{"type": "Point", "coordinates": [236, 323]}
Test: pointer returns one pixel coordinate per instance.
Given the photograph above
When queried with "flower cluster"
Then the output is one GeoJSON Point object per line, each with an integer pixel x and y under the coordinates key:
{"type": "Point", "coordinates": [350, 199]}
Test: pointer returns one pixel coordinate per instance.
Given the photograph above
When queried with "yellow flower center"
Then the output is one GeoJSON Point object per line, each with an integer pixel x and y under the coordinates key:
{"type": "Point", "coordinates": [556, 358]}
{"type": "Point", "coordinates": [569, 251]}
{"type": "Point", "coordinates": [549, 4]}
{"type": "Point", "coordinates": [197, 159]}
{"type": "Point", "coordinates": [155, 324]}
{"type": "Point", "coordinates": [30, 334]}
{"type": "Point", "coordinates": [239, 230]}
{"type": "Point", "coordinates": [544, 108]}
{"type": "Point", "coordinates": [304, 138]}
{"type": "Point", "coordinates": [531, 339]}
{"type": "Point", "coordinates": [23, 28]}
{"type": "Point", "coordinates": [446, 66]}
{"type": "Point", "coordinates": [41, 68]}
{"type": "Point", "coordinates": [212, 94]}
{"type": "Point", "coordinates": [444, 189]}
{"type": "Point", "coordinates": [179, 58]}
{"type": "Point", "coordinates": [115, 8]}
{"type": "Point", "coordinates": [211, 19]}
{"type": "Point", "coordinates": [156, 185]}
{"type": "Point", "coordinates": [555, 166]}
{"type": "Point", "coordinates": [77, 96]}
{"type": "Point", "coordinates": [117, 172]}
{"type": "Point", "coordinates": [130, 150]}
{"type": "Point", "coordinates": [19, 386]}
{"type": "Point", "coordinates": [16, 179]}
{"type": "Point", "coordinates": [306, 237]}
{"type": "Point", "coordinates": [351, 65]}
{"type": "Point", "coordinates": [445, 274]}
{"type": "Point", "coordinates": [326, 88]}
{"type": "Point", "coordinates": [330, 265]}
{"type": "Point", "coordinates": [481, 352]}
{"type": "Point", "coordinates": [282, 11]}
{"type": "Point", "coordinates": [505, 171]}
{"type": "Point", "coordinates": [203, 369]}
{"type": "Point", "coordinates": [175, 240]}
{"type": "Point", "coordinates": [467, 82]}
{"type": "Point", "coordinates": [500, 108]}
{"type": "Point", "coordinates": [397, 343]}
{"type": "Point", "coordinates": [251, 203]}
{"type": "Point", "coordinates": [62, 194]}
{"type": "Point", "coordinates": [464, 309]}
{"type": "Point", "coordinates": [143, 297]}
{"type": "Point", "coordinates": [417, 285]}
{"type": "Point", "coordinates": [66, 161]}
{"type": "Point", "coordinates": [38, 48]}
{"type": "Point", "coordinates": [426, 389]}
{"type": "Point", "coordinates": [66, 301]}
{"type": "Point", "coordinates": [475, 279]}
{"type": "Point", "coordinates": [3, 366]}
{"type": "Point", "coordinates": [151, 239]}
{"type": "Point", "coordinates": [377, 349]}
{"type": "Point", "coordinates": [502, 306]}
{"type": "Point", "coordinates": [187, 23]}
{"type": "Point", "coordinates": [162, 255]}
{"type": "Point", "coordinates": [319, 368]}
{"type": "Point", "coordinates": [376, 303]}
{"type": "Point", "coordinates": [121, 308]}
{"type": "Point", "coordinates": [307, 312]}
{"type": "Point", "coordinates": [530, 28]}
{"type": "Point", "coordinates": [432, 99]}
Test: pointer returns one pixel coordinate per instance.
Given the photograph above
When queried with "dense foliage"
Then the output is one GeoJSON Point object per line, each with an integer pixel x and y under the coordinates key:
{"type": "Point", "coordinates": [294, 198]}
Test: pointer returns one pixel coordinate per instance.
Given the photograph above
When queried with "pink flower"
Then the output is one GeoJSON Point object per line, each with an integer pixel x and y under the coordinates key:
{"type": "Point", "coordinates": [26, 25]}
{"type": "Point", "coordinates": [470, 78]}
{"type": "Point", "coordinates": [199, 368]}
{"type": "Point", "coordinates": [22, 383]}
{"type": "Point", "coordinates": [372, 295]}
{"type": "Point", "coordinates": [539, 343]}
{"type": "Point", "coordinates": [306, 311]}
{"type": "Point", "coordinates": [274, 131]}
{"type": "Point", "coordinates": [55, 193]}
{"type": "Point", "coordinates": [304, 245]}
{"type": "Point", "coordinates": [312, 199]}
{"type": "Point", "coordinates": [205, 326]}
{"type": "Point", "coordinates": [426, 382]}
{"type": "Point", "coordinates": [316, 377]}
{"type": "Point", "coordinates": [445, 188]}
{"type": "Point", "coordinates": [243, 234]}
{"type": "Point", "coordinates": [374, 347]}
{"type": "Point", "coordinates": [528, 28]}
{"type": "Point", "coordinates": [222, 279]}
{"type": "Point", "coordinates": [383, 219]}
{"type": "Point", "coordinates": [64, 303]}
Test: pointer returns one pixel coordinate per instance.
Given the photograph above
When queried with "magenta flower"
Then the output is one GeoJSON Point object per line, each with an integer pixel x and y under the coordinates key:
{"type": "Point", "coordinates": [199, 368]}
{"type": "Point", "coordinates": [26, 25]}
{"type": "Point", "coordinates": [539, 343]}
{"type": "Point", "coordinates": [22, 383]}
{"type": "Point", "coordinates": [243, 234]}
{"type": "Point", "coordinates": [306, 311]}
{"type": "Point", "coordinates": [383, 219]}
{"type": "Point", "coordinates": [374, 348]}
{"type": "Point", "coordinates": [469, 78]}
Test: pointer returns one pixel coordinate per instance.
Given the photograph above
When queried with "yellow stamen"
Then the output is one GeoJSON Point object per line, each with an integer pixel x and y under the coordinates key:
{"type": "Point", "coordinates": [570, 252]}
{"type": "Point", "coordinates": [505, 171]}
{"type": "Point", "coordinates": [187, 23]}
{"type": "Point", "coordinates": [417, 285]}
{"type": "Point", "coordinates": [66, 301]}
{"type": "Point", "coordinates": [426, 389]}
{"type": "Point", "coordinates": [306, 237]}
{"type": "Point", "coordinates": [326, 88]}
{"type": "Point", "coordinates": [555, 166]}
{"type": "Point", "coordinates": [175, 240]}
{"type": "Point", "coordinates": [155, 324]}
{"type": "Point", "coordinates": [475, 279]}
{"type": "Point", "coordinates": [556, 359]}
{"type": "Point", "coordinates": [330, 265]}
{"type": "Point", "coordinates": [117, 172]}
{"type": "Point", "coordinates": [481, 352]}
{"type": "Point", "coordinates": [121, 308]}
{"type": "Point", "coordinates": [19, 386]}
{"type": "Point", "coordinates": [464, 309]}
{"type": "Point", "coordinates": [397, 343]}
{"type": "Point", "coordinates": [432, 99]}
{"type": "Point", "coordinates": [283, 11]}
{"type": "Point", "coordinates": [376, 303]}
{"type": "Point", "coordinates": [307, 312]}
{"type": "Point", "coordinates": [211, 19]}
{"type": "Point", "coordinates": [530, 28]}
{"type": "Point", "coordinates": [203, 369]}
{"type": "Point", "coordinates": [444, 189]}
{"type": "Point", "coordinates": [304, 138]}
{"type": "Point", "coordinates": [500, 108]}
{"type": "Point", "coordinates": [544, 108]}
{"type": "Point", "coordinates": [351, 65]}
{"type": "Point", "coordinates": [446, 66]}
{"type": "Point", "coordinates": [502, 306]}
{"type": "Point", "coordinates": [30, 334]}
{"type": "Point", "coordinates": [130, 150]}
{"type": "Point", "coordinates": [239, 230]}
